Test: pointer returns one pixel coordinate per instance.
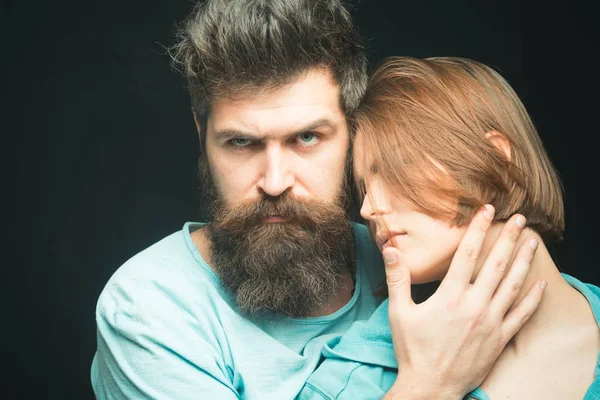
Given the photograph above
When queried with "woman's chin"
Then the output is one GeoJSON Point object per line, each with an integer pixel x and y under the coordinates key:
{"type": "Point", "coordinates": [420, 275]}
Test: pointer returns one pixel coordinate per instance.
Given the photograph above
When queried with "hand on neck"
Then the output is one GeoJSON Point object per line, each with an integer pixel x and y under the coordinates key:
{"type": "Point", "coordinates": [559, 297]}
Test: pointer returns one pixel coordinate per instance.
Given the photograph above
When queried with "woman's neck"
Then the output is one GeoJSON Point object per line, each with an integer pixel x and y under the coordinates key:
{"type": "Point", "coordinates": [561, 305]}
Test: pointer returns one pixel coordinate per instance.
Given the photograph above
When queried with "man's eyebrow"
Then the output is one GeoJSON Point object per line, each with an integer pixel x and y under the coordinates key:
{"type": "Point", "coordinates": [314, 125]}
{"type": "Point", "coordinates": [227, 134]}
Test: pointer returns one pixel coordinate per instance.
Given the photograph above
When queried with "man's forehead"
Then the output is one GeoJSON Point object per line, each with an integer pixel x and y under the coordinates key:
{"type": "Point", "coordinates": [313, 96]}
{"type": "Point", "coordinates": [277, 120]}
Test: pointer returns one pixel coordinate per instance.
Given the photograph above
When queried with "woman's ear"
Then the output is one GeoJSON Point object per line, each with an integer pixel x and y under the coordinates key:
{"type": "Point", "coordinates": [501, 143]}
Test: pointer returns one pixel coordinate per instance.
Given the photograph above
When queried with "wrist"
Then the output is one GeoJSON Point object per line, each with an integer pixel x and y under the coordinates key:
{"type": "Point", "coordinates": [406, 388]}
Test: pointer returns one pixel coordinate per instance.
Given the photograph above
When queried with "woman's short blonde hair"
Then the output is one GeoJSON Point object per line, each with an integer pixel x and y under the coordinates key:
{"type": "Point", "coordinates": [424, 120]}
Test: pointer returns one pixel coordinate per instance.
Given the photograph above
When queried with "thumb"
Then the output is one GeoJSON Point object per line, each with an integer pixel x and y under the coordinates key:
{"type": "Point", "coordinates": [397, 276]}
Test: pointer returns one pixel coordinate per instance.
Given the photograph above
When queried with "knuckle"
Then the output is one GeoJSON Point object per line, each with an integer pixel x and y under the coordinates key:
{"type": "Point", "coordinates": [482, 227]}
{"type": "Point", "coordinates": [510, 233]}
{"type": "Point", "coordinates": [529, 254]}
{"type": "Point", "coordinates": [524, 259]}
{"type": "Point", "coordinates": [515, 288]}
{"type": "Point", "coordinates": [522, 262]}
{"type": "Point", "coordinates": [525, 316]}
{"type": "Point", "coordinates": [482, 323]}
{"type": "Point", "coordinates": [395, 281]}
{"type": "Point", "coordinates": [471, 255]}
{"type": "Point", "coordinates": [477, 313]}
{"type": "Point", "coordinates": [513, 234]}
{"type": "Point", "coordinates": [500, 266]}
{"type": "Point", "coordinates": [491, 331]}
{"type": "Point", "coordinates": [452, 304]}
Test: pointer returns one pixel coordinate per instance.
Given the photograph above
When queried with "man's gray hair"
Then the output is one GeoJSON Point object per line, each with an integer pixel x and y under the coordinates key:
{"type": "Point", "coordinates": [236, 47]}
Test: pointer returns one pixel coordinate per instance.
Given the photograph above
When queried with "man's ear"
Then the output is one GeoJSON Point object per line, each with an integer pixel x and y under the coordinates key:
{"type": "Point", "coordinates": [196, 121]}
{"type": "Point", "coordinates": [501, 143]}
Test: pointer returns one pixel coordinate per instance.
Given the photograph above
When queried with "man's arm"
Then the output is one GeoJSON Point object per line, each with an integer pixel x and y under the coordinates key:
{"type": "Point", "coordinates": [446, 345]}
{"type": "Point", "coordinates": [152, 353]}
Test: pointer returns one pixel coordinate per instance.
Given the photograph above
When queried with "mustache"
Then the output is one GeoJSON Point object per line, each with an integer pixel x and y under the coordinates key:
{"type": "Point", "coordinates": [244, 216]}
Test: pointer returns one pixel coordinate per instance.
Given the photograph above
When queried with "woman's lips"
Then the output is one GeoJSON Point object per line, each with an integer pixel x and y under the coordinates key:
{"type": "Point", "coordinates": [389, 243]}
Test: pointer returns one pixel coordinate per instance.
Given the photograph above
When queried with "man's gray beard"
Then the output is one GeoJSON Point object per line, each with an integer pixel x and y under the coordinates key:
{"type": "Point", "coordinates": [292, 267]}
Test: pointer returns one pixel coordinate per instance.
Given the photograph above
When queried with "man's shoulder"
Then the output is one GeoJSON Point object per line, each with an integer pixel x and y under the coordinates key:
{"type": "Point", "coordinates": [368, 258]}
{"type": "Point", "coordinates": [164, 277]}
{"type": "Point", "coordinates": [361, 231]}
{"type": "Point", "coordinates": [366, 248]}
{"type": "Point", "coordinates": [168, 259]}
{"type": "Point", "coordinates": [363, 238]}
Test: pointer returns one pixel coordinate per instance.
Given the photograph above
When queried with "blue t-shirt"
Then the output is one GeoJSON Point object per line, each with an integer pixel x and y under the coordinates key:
{"type": "Point", "coordinates": [361, 364]}
{"type": "Point", "coordinates": [168, 330]}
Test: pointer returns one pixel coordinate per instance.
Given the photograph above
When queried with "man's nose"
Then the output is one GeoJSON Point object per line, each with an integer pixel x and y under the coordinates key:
{"type": "Point", "coordinates": [277, 176]}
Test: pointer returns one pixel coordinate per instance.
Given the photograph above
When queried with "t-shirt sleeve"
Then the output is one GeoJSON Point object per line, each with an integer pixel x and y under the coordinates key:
{"type": "Point", "coordinates": [148, 347]}
{"type": "Point", "coordinates": [358, 365]}
{"type": "Point", "coordinates": [347, 380]}
{"type": "Point", "coordinates": [593, 392]}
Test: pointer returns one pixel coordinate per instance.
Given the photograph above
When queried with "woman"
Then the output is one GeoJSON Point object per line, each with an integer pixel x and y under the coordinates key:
{"type": "Point", "coordinates": [436, 140]}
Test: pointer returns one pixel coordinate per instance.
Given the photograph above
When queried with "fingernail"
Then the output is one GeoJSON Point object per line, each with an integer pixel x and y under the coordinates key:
{"type": "Point", "coordinates": [389, 257]}
{"type": "Point", "coordinates": [489, 211]}
{"type": "Point", "coordinates": [544, 284]}
{"type": "Point", "coordinates": [533, 243]}
{"type": "Point", "coordinates": [520, 221]}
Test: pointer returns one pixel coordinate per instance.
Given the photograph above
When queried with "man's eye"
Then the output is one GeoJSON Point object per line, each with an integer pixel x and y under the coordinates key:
{"type": "Point", "coordinates": [308, 139]}
{"type": "Point", "coordinates": [240, 142]}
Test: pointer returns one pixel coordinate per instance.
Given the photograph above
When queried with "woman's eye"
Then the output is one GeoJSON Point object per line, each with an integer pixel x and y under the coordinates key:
{"type": "Point", "coordinates": [308, 138]}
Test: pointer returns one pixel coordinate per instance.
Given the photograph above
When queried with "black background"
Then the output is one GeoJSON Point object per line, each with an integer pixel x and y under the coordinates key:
{"type": "Point", "coordinates": [106, 147]}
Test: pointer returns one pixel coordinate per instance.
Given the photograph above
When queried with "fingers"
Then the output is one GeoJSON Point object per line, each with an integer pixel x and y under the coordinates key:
{"type": "Point", "coordinates": [496, 264]}
{"type": "Point", "coordinates": [397, 277]}
{"type": "Point", "coordinates": [511, 285]}
{"type": "Point", "coordinates": [465, 259]}
{"type": "Point", "coordinates": [518, 316]}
